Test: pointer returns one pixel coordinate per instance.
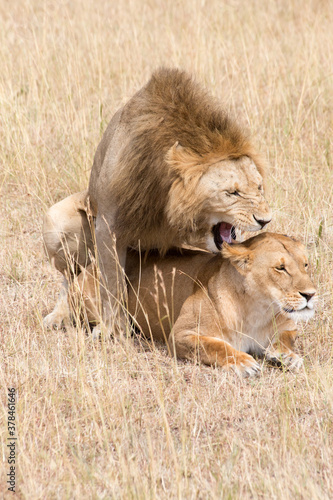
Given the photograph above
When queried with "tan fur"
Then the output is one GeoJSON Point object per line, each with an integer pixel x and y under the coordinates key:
{"type": "Point", "coordinates": [221, 308]}
{"type": "Point", "coordinates": [164, 174]}
{"type": "Point", "coordinates": [172, 132]}
{"type": "Point", "coordinates": [67, 233]}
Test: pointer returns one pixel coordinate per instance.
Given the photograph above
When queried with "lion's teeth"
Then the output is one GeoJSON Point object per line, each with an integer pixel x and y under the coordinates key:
{"type": "Point", "coordinates": [240, 236]}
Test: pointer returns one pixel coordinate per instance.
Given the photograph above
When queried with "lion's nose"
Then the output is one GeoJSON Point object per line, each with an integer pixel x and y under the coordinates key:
{"type": "Point", "coordinates": [262, 222]}
{"type": "Point", "coordinates": [307, 296]}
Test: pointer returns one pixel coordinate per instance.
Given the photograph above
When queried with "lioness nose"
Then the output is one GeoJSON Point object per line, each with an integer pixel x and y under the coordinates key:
{"type": "Point", "coordinates": [307, 296]}
{"type": "Point", "coordinates": [261, 222]}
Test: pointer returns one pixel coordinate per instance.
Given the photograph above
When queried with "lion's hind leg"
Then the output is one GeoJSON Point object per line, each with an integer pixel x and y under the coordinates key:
{"type": "Point", "coordinates": [60, 316]}
{"type": "Point", "coordinates": [68, 235]}
{"type": "Point", "coordinates": [68, 239]}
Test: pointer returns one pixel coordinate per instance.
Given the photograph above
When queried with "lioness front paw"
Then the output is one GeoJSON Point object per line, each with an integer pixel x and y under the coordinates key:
{"type": "Point", "coordinates": [289, 360]}
{"type": "Point", "coordinates": [244, 365]}
{"type": "Point", "coordinates": [292, 361]}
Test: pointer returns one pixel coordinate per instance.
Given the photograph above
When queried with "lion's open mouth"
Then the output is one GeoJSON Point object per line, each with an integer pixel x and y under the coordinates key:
{"type": "Point", "coordinates": [223, 232]}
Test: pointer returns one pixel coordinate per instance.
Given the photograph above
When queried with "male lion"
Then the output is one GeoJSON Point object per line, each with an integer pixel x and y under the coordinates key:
{"type": "Point", "coordinates": [172, 168]}
{"type": "Point", "coordinates": [220, 308]}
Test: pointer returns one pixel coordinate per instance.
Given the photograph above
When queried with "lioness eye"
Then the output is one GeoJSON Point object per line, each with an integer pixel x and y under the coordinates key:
{"type": "Point", "coordinates": [235, 193]}
{"type": "Point", "coordinates": [306, 265]}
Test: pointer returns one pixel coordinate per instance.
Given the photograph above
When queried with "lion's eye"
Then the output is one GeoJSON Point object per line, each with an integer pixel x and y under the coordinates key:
{"type": "Point", "coordinates": [260, 187]}
{"type": "Point", "coordinates": [306, 265]}
{"type": "Point", "coordinates": [235, 193]}
{"type": "Point", "coordinates": [281, 267]}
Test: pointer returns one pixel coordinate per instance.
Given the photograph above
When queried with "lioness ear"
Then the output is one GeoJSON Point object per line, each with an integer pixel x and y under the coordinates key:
{"type": "Point", "coordinates": [238, 255]}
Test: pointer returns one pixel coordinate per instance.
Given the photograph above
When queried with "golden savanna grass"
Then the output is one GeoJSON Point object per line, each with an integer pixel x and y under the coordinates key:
{"type": "Point", "coordinates": [110, 420]}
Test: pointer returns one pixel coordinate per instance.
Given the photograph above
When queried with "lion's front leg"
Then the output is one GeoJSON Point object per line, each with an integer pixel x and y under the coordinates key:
{"type": "Point", "coordinates": [113, 292]}
{"type": "Point", "coordinates": [212, 351]}
{"type": "Point", "coordinates": [281, 351]}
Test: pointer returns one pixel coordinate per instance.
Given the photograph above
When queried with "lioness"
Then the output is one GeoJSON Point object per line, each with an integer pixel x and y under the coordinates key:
{"type": "Point", "coordinates": [171, 168]}
{"type": "Point", "coordinates": [221, 308]}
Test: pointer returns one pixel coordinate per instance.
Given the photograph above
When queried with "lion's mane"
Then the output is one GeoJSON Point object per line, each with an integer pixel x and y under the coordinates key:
{"type": "Point", "coordinates": [171, 108]}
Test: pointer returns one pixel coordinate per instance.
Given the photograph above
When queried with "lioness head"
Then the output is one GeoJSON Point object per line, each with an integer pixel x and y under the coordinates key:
{"type": "Point", "coordinates": [214, 198]}
{"type": "Point", "coordinates": [275, 269]}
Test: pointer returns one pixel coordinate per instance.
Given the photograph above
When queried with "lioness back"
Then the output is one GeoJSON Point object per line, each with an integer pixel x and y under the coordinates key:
{"type": "Point", "coordinates": [159, 286]}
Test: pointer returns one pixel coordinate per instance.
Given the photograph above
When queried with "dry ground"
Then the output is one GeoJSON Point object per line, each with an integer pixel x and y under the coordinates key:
{"type": "Point", "coordinates": [110, 421]}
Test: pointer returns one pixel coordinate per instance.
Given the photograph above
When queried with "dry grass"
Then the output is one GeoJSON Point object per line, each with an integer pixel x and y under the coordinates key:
{"type": "Point", "coordinates": [111, 421]}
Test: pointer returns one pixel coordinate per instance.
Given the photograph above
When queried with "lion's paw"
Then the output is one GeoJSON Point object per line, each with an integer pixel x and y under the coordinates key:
{"type": "Point", "coordinates": [292, 361]}
{"type": "Point", "coordinates": [245, 366]}
{"type": "Point", "coordinates": [55, 321]}
{"type": "Point", "coordinates": [289, 360]}
{"type": "Point", "coordinates": [96, 333]}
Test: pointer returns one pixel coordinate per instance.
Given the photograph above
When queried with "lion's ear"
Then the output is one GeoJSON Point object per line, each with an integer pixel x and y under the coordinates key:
{"type": "Point", "coordinates": [238, 255]}
{"type": "Point", "coordinates": [177, 146]}
{"type": "Point", "coordinates": [184, 162]}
